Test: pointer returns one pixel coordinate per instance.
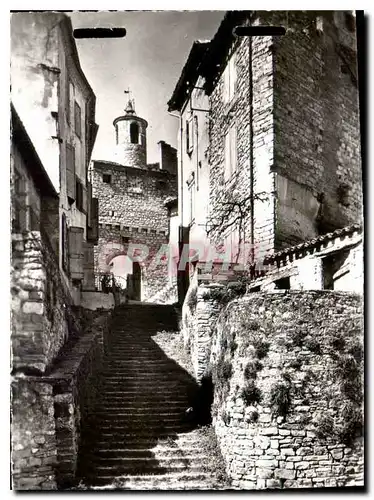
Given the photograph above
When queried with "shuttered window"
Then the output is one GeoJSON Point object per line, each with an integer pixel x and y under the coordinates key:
{"type": "Point", "coordinates": [76, 253]}
{"type": "Point", "coordinates": [89, 204]}
{"type": "Point", "coordinates": [67, 98]}
{"type": "Point", "coordinates": [230, 152]}
{"type": "Point", "coordinates": [189, 135]}
{"type": "Point", "coordinates": [70, 172]}
{"type": "Point", "coordinates": [80, 195]}
{"type": "Point", "coordinates": [229, 79]}
{"type": "Point", "coordinates": [64, 244]}
{"type": "Point", "coordinates": [77, 120]}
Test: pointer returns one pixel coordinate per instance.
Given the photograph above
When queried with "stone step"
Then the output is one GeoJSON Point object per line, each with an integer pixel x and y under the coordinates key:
{"type": "Point", "coordinates": [136, 417]}
{"type": "Point", "coordinates": [143, 428]}
{"type": "Point", "coordinates": [131, 395]}
{"type": "Point", "coordinates": [181, 480]}
{"type": "Point", "coordinates": [141, 407]}
{"type": "Point", "coordinates": [109, 441]}
{"type": "Point", "coordinates": [158, 452]}
{"type": "Point", "coordinates": [144, 436]}
{"type": "Point", "coordinates": [141, 466]}
{"type": "Point", "coordinates": [138, 412]}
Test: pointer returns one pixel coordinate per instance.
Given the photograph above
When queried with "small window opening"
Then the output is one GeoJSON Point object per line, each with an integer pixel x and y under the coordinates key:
{"type": "Point", "coordinates": [107, 178]}
{"type": "Point", "coordinates": [134, 133]}
{"type": "Point", "coordinates": [283, 284]}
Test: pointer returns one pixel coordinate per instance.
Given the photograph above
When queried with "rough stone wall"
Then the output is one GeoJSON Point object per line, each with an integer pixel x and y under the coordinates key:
{"type": "Point", "coordinates": [200, 311]}
{"type": "Point", "coordinates": [136, 196]}
{"type": "Point", "coordinates": [132, 207]}
{"type": "Point", "coordinates": [49, 412]}
{"type": "Point", "coordinates": [76, 386]}
{"type": "Point", "coordinates": [34, 452]}
{"type": "Point", "coordinates": [305, 126]}
{"type": "Point", "coordinates": [155, 273]}
{"type": "Point", "coordinates": [259, 67]}
{"type": "Point", "coordinates": [288, 374]}
{"type": "Point", "coordinates": [41, 315]}
{"type": "Point", "coordinates": [316, 117]}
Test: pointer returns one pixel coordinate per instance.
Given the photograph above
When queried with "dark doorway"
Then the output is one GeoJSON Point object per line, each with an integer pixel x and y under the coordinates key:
{"type": "Point", "coordinates": [137, 280]}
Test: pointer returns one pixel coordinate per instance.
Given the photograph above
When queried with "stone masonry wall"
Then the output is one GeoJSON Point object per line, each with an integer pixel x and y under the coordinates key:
{"type": "Point", "coordinates": [316, 119]}
{"type": "Point", "coordinates": [34, 449]}
{"type": "Point", "coordinates": [287, 369]}
{"type": "Point", "coordinates": [153, 279]}
{"type": "Point", "coordinates": [49, 411]}
{"type": "Point", "coordinates": [200, 311]}
{"type": "Point", "coordinates": [42, 318]}
{"type": "Point", "coordinates": [132, 207]}
{"type": "Point", "coordinates": [305, 126]}
{"type": "Point", "coordinates": [135, 196]}
{"type": "Point", "coordinates": [237, 113]}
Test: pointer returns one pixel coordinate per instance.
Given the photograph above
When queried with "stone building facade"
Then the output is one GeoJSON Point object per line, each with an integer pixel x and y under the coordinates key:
{"type": "Point", "coordinates": [49, 88]}
{"type": "Point", "coordinates": [133, 218]}
{"type": "Point", "coordinates": [283, 135]}
{"type": "Point", "coordinates": [54, 354]}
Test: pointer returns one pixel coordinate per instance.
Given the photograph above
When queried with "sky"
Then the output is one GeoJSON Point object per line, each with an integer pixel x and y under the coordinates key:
{"type": "Point", "coordinates": [149, 61]}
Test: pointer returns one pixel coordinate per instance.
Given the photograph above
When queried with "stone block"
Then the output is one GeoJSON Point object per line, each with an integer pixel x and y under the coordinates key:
{"type": "Point", "coordinates": [267, 463]}
{"type": "Point", "coordinates": [285, 474]}
{"type": "Point", "coordinates": [33, 307]}
{"type": "Point", "coordinates": [287, 452]}
{"type": "Point", "coordinates": [273, 483]}
{"type": "Point", "coordinates": [269, 431]}
{"type": "Point", "coordinates": [301, 465]}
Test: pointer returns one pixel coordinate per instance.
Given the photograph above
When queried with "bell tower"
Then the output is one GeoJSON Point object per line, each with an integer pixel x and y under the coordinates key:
{"type": "Point", "coordinates": [131, 138]}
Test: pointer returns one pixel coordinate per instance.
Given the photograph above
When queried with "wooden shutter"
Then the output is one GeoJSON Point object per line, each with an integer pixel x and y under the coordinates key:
{"type": "Point", "coordinates": [89, 271]}
{"type": "Point", "coordinates": [70, 172]}
{"type": "Point", "coordinates": [227, 156]}
{"type": "Point", "coordinates": [77, 119]}
{"type": "Point", "coordinates": [232, 76]}
{"type": "Point", "coordinates": [67, 98]}
{"type": "Point", "coordinates": [76, 252]}
{"type": "Point", "coordinates": [232, 150]}
{"type": "Point", "coordinates": [84, 199]}
{"type": "Point", "coordinates": [64, 244]}
{"type": "Point", "coordinates": [187, 136]}
{"type": "Point", "coordinates": [89, 204]}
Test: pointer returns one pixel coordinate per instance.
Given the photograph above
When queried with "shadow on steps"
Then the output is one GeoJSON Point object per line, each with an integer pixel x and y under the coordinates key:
{"type": "Point", "coordinates": [140, 425]}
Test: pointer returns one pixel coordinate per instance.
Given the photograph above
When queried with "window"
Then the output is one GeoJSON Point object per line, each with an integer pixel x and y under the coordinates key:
{"type": "Point", "coordinates": [189, 135]}
{"type": "Point", "coordinates": [20, 204]}
{"type": "Point", "coordinates": [229, 80]}
{"type": "Point", "coordinates": [107, 178]}
{"type": "Point", "coordinates": [124, 240]}
{"type": "Point", "coordinates": [77, 119]}
{"type": "Point", "coordinates": [191, 188]}
{"type": "Point", "coordinates": [70, 172]}
{"type": "Point", "coordinates": [283, 284]}
{"type": "Point", "coordinates": [230, 153]}
{"type": "Point", "coordinates": [134, 133]}
{"type": "Point", "coordinates": [79, 194]}
{"type": "Point", "coordinates": [67, 98]}
{"type": "Point", "coordinates": [64, 243]}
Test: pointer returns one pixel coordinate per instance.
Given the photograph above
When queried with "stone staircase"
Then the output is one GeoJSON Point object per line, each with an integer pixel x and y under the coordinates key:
{"type": "Point", "coordinates": [139, 437]}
